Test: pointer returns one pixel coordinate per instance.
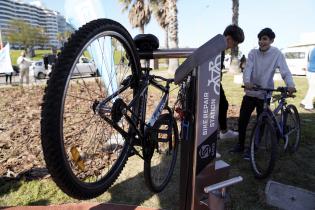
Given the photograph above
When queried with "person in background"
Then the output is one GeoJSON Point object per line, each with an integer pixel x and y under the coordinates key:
{"type": "Point", "coordinates": [234, 35]}
{"type": "Point", "coordinates": [242, 63]}
{"type": "Point", "coordinates": [308, 101]}
{"type": "Point", "coordinates": [8, 77]}
{"type": "Point", "coordinates": [24, 64]}
{"type": "Point", "coordinates": [259, 71]}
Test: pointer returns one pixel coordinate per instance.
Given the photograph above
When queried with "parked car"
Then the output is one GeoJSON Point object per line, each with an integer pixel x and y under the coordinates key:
{"type": "Point", "coordinates": [38, 68]}
{"type": "Point", "coordinates": [83, 67]}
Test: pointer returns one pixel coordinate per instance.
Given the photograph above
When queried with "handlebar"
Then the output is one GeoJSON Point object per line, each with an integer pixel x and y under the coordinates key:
{"type": "Point", "coordinates": [283, 90]}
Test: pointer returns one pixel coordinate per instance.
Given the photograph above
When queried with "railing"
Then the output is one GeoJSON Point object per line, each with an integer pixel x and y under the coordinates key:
{"type": "Point", "coordinates": [167, 53]}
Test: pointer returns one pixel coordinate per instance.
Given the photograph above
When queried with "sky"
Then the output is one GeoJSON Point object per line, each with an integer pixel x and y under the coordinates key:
{"type": "Point", "coordinates": [200, 20]}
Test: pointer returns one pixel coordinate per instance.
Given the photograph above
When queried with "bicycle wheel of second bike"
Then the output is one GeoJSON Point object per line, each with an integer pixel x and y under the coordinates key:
{"type": "Point", "coordinates": [163, 139]}
{"type": "Point", "coordinates": [83, 129]}
{"type": "Point", "coordinates": [292, 127]}
{"type": "Point", "coordinates": [263, 147]}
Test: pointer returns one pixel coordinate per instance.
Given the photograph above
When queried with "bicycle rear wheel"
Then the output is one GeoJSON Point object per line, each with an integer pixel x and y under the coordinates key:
{"type": "Point", "coordinates": [292, 128]}
{"type": "Point", "coordinates": [163, 143]}
{"type": "Point", "coordinates": [263, 147]}
{"type": "Point", "coordinates": [85, 137]}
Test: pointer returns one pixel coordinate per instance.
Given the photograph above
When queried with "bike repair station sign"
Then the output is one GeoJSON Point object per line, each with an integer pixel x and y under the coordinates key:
{"type": "Point", "coordinates": [208, 90]}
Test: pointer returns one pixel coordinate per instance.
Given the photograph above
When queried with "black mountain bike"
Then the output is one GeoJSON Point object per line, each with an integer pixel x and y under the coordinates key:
{"type": "Point", "coordinates": [283, 123]}
{"type": "Point", "coordinates": [91, 125]}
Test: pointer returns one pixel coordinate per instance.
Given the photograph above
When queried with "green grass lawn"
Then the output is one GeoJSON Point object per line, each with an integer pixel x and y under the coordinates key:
{"type": "Point", "coordinates": [297, 170]}
{"type": "Point", "coordinates": [38, 55]}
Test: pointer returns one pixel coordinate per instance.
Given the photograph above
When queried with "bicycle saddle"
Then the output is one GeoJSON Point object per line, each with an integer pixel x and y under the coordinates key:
{"type": "Point", "coordinates": [146, 42]}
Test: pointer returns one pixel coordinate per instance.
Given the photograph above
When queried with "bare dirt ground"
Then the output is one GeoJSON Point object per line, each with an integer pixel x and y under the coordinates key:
{"type": "Point", "coordinates": [20, 148]}
{"type": "Point", "coordinates": [20, 145]}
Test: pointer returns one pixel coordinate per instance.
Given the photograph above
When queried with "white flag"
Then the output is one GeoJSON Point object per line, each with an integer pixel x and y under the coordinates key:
{"type": "Point", "coordinates": [5, 60]}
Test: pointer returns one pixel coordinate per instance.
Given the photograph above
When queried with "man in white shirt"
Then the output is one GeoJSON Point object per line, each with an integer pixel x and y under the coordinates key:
{"type": "Point", "coordinates": [260, 69]}
{"type": "Point", "coordinates": [24, 64]}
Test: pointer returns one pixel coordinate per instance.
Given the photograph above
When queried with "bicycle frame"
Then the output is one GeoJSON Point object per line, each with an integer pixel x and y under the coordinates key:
{"type": "Point", "coordinates": [144, 128]}
{"type": "Point", "coordinates": [279, 124]}
{"type": "Point", "coordinates": [148, 80]}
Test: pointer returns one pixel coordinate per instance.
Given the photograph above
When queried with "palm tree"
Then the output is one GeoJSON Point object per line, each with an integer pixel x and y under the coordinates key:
{"type": "Point", "coordinates": [234, 67]}
{"type": "Point", "coordinates": [235, 14]}
{"type": "Point", "coordinates": [171, 19]}
{"type": "Point", "coordinates": [139, 13]}
{"type": "Point", "coordinates": [159, 8]}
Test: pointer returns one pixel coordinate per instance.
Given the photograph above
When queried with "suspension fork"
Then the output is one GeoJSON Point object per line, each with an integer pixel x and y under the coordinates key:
{"type": "Point", "coordinates": [284, 129]}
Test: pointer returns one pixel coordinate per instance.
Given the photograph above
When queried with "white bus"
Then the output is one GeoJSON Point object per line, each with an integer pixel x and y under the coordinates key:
{"type": "Point", "coordinates": [297, 58]}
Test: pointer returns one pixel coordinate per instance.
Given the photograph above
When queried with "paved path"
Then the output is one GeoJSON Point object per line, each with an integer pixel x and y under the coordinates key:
{"type": "Point", "coordinates": [81, 206]}
{"type": "Point", "coordinates": [16, 81]}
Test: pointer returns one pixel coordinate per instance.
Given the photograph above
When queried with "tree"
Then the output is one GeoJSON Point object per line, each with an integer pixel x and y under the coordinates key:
{"type": "Point", "coordinates": [167, 18]}
{"type": "Point", "coordinates": [22, 33]}
{"type": "Point", "coordinates": [171, 19]}
{"type": "Point", "coordinates": [235, 14]}
{"type": "Point", "coordinates": [62, 37]}
{"type": "Point", "coordinates": [234, 66]}
{"type": "Point", "coordinates": [160, 10]}
{"type": "Point", "coordinates": [139, 13]}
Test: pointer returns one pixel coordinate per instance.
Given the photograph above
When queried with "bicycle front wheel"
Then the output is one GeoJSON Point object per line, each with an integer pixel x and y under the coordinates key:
{"type": "Point", "coordinates": [292, 128]}
{"type": "Point", "coordinates": [163, 143]}
{"type": "Point", "coordinates": [85, 137]}
{"type": "Point", "coordinates": [263, 147]}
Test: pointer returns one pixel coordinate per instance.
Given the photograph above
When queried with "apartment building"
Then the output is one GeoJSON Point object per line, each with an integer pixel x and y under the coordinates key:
{"type": "Point", "coordinates": [35, 14]}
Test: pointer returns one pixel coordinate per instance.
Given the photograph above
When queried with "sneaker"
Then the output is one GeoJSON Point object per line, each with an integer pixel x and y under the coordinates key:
{"type": "Point", "coordinates": [228, 134]}
{"type": "Point", "coordinates": [309, 108]}
{"type": "Point", "coordinates": [246, 155]}
{"type": "Point", "coordinates": [237, 149]}
{"type": "Point", "coordinates": [306, 106]}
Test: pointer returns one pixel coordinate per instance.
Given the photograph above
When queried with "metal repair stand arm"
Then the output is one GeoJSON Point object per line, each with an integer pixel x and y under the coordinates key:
{"type": "Point", "coordinates": [203, 178]}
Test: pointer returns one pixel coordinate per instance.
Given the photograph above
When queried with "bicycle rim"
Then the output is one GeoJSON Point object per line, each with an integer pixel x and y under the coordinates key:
{"type": "Point", "coordinates": [164, 144]}
{"type": "Point", "coordinates": [83, 151]}
{"type": "Point", "coordinates": [263, 148]}
{"type": "Point", "coordinates": [292, 128]}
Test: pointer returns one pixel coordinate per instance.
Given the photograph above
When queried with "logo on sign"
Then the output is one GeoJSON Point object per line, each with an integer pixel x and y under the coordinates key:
{"type": "Point", "coordinates": [205, 151]}
{"type": "Point", "coordinates": [215, 74]}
